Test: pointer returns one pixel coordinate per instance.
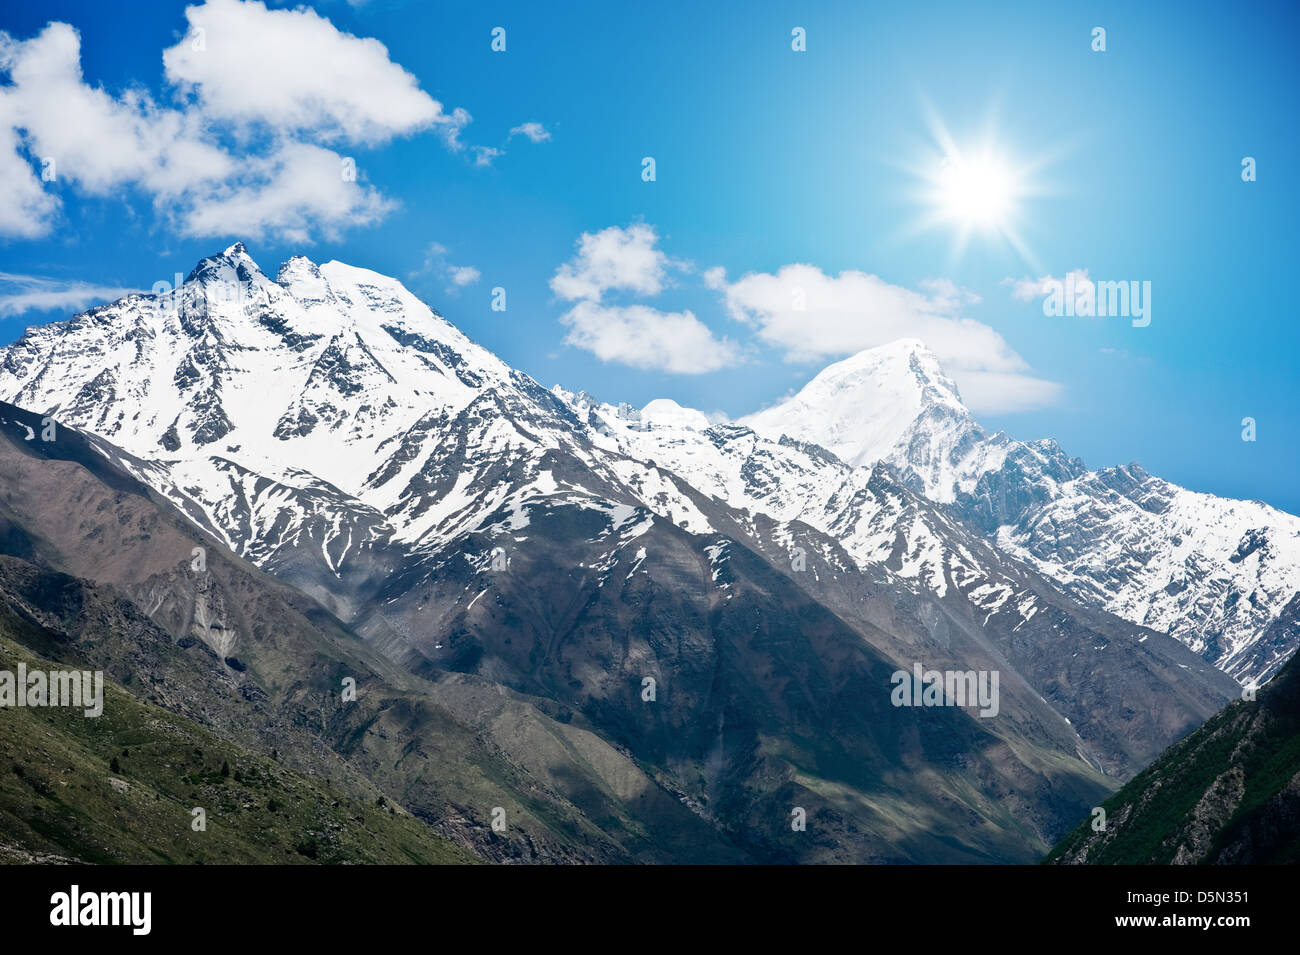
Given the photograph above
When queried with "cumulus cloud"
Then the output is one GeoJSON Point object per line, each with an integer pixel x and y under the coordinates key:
{"type": "Point", "coordinates": [29, 293]}
{"type": "Point", "coordinates": [264, 100]}
{"type": "Point", "coordinates": [613, 258]}
{"type": "Point", "coordinates": [90, 138]}
{"type": "Point", "coordinates": [810, 315]}
{"type": "Point", "coordinates": [292, 193]}
{"type": "Point", "coordinates": [629, 260]}
{"type": "Point", "coordinates": [535, 132]}
{"type": "Point", "coordinates": [647, 338]}
{"type": "Point", "coordinates": [294, 68]}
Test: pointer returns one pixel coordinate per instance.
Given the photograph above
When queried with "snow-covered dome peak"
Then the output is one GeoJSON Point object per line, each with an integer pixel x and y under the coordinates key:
{"type": "Point", "coordinates": [862, 407]}
{"type": "Point", "coordinates": [666, 413]}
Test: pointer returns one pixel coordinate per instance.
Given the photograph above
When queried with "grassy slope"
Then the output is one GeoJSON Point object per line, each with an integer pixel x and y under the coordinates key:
{"type": "Point", "coordinates": [60, 801]}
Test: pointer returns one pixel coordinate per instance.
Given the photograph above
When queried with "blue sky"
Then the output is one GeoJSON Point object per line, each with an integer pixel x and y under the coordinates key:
{"type": "Point", "coordinates": [1125, 164]}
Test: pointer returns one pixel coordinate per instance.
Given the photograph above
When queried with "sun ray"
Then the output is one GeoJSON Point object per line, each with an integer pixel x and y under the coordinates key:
{"type": "Point", "coordinates": [978, 192]}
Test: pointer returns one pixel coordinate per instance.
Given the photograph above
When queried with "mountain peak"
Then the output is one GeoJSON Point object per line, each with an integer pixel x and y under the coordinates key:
{"type": "Point", "coordinates": [862, 407]}
{"type": "Point", "coordinates": [908, 360]}
{"type": "Point", "coordinates": [302, 278]}
{"type": "Point", "coordinates": [232, 264]}
{"type": "Point", "coordinates": [898, 345]}
{"type": "Point", "coordinates": [666, 413]}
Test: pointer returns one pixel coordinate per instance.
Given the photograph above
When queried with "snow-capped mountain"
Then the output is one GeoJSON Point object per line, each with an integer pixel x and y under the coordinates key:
{"type": "Point", "coordinates": [875, 521]}
{"type": "Point", "coordinates": [331, 428]}
{"type": "Point", "coordinates": [332, 406]}
{"type": "Point", "coordinates": [891, 404]}
{"type": "Point", "coordinates": [1213, 572]}
{"type": "Point", "coordinates": [331, 413]}
{"type": "Point", "coordinates": [329, 405]}
{"type": "Point", "coordinates": [348, 361]}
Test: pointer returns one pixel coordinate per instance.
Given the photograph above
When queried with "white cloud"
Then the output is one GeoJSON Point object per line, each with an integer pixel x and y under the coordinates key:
{"type": "Point", "coordinates": [264, 98]}
{"type": "Point", "coordinates": [1000, 392]}
{"type": "Point", "coordinates": [483, 155]}
{"type": "Point", "coordinates": [644, 337]}
{"type": "Point", "coordinates": [462, 275]}
{"type": "Point", "coordinates": [613, 258]}
{"type": "Point", "coordinates": [628, 260]}
{"type": "Point", "coordinates": [449, 131]}
{"type": "Point", "coordinates": [536, 132]}
{"type": "Point", "coordinates": [1027, 289]}
{"type": "Point", "coordinates": [435, 263]}
{"type": "Point", "coordinates": [292, 193]}
{"type": "Point", "coordinates": [294, 68]}
{"type": "Point", "coordinates": [29, 293]}
{"type": "Point", "coordinates": [810, 315]}
{"type": "Point", "coordinates": [26, 210]}
{"type": "Point", "coordinates": [94, 140]}
{"type": "Point", "coordinates": [800, 310]}
{"type": "Point", "coordinates": [947, 295]}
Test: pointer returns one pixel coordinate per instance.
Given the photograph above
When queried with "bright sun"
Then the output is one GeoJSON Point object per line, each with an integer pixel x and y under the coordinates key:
{"type": "Point", "coordinates": [974, 191]}
{"type": "Point", "coordinates": [977, 192]}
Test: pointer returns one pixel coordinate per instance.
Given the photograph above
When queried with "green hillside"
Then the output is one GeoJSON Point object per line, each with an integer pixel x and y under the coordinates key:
{"type": "Point", "coordinates": [121, 788]}
{"type": "Point", "coordinates": [1227, 794]}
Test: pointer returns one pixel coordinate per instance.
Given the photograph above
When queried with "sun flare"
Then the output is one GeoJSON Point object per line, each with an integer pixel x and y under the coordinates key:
{"type": "Point", "coordinates": [978, 192]}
